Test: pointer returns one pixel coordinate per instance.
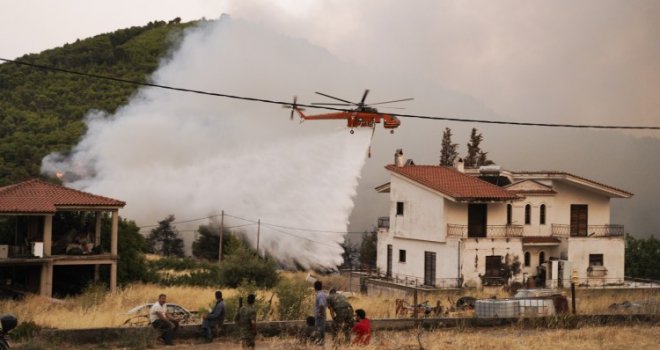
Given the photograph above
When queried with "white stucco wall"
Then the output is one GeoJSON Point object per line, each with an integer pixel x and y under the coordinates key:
{"type": "Point", "coordinates": [598, 205]}
{"type": "Point", "coordinates": [423, 215]}
{"type": "Point", "coordinates": [612, 248]}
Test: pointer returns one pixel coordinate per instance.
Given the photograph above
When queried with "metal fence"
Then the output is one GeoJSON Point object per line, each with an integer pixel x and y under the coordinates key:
{"type": "Point", "coordinates": [491, 231]}
{"type": "Point", "coordinates": [592, 231]}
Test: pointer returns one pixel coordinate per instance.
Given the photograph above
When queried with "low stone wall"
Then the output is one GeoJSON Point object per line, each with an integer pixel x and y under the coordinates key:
{"type": "Point", "coordinates": [269, 329]}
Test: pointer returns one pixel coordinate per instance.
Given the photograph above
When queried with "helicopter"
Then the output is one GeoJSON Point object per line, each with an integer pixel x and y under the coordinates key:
{"type": "Point", "coordinates": [362, 116]}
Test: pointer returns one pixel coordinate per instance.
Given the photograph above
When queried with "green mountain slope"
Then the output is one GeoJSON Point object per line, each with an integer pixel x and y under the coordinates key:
{"type": "Point", "coordinates": [42, 111]}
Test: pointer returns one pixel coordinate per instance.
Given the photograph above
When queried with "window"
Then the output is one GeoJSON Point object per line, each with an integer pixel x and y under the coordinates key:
{"type": "Point", "coordinates": [528, 259]}
{"type": "Point", "coordinates": [542, 215]}
{"type": "Point", "coordinates": [595, 259]}
{"type": "Point", "coordinates": [402, 255]}
{"type": "Point", "coordinates": [399, 208]}
{"type": "Point", "coordinates": [509, 214]}
{"type": "Point", "coordinates": [528, 214]}
{"type": "Point", "coordinates": [541, 258]}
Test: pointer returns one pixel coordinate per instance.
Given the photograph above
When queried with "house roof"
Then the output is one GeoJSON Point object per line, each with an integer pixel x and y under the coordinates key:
{"type": "Point", "coordinates": [530, 187]}
{"type": "Point", "coordinates": [574, 179]}
{"type": "Point", "coordinates": [38, 196]}
{"type": "Point", "coordinates": [453, 183]}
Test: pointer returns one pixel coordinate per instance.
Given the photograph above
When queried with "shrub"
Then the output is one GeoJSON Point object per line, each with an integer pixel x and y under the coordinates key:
{"type": "Point", "coordinates": [245, 265]}
{"type": "Point", "coordinates": [294, 297]}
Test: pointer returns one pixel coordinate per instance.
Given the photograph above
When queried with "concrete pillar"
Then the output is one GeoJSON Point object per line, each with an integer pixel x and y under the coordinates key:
{"type": "Point", "coordinates": [48, 234]}
{"type": "Point", "coordinates": [113, 276]}
{"type": "Point", "coordinates": [115, 229]}
{"type": "Point", "coordinates": [113, 250]}
{"type": "Point", "coordinates": [97, 229]}
{"type": "Point", "coordinates": [46, 284]}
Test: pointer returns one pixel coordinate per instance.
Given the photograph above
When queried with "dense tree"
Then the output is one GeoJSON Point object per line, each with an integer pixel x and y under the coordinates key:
{"type": "Point", "coordinates": [368, 249]}
{"type": "Point", "coordinates": [206, 244]}
{"type": "Point", "coordinates": [448, 152]}
{"type": "Point", "coordinates": [643, 258]}
{"type": "Point", "coordinates": [475, 156]}
{"type": "Point", "coordinates": [243, 265]}
{"type": "Point", "coordinates": [132, 265]}
{"type": "Point", "coordinates": [42, 111]}
{"type": "Point", "coordinates": [351, 255]}
{"type": "Point", "coordinates": [165, 240]}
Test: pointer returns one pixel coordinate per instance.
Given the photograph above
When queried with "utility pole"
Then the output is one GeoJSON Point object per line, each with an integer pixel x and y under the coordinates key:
{"type": "Point", "coordinates": [222, 229]}
{"type": "Point", "coordinates": [258, 230]}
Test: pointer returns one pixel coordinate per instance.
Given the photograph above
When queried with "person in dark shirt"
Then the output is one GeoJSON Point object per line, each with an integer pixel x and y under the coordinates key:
{"type": "Point", "coordinates": [308, 334]}
{"type": "Point", "coordinates": [362, 329]}
{"type": "Point", "coordinates": [215, 318]}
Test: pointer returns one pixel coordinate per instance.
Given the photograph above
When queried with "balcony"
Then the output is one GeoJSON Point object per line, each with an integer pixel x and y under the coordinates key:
{"type": "Point", "coordinates": [490, 231]}
{"type": "Point", "coordinates": [591, 231]}
{"type": "Point", "coordinates": [384, 222]}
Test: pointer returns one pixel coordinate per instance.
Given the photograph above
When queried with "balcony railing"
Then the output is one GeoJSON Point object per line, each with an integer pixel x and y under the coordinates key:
{"type": "Point", "coordinates": [491, 231]}
{"type": "Point", "coordinates": [592, 231]}
{"type": "Point", "coordinates": [384, 222]}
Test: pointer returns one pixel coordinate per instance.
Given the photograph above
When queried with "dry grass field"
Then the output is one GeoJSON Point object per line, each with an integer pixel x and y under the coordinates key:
{"type": "Point", "coordinates": [99, 309]}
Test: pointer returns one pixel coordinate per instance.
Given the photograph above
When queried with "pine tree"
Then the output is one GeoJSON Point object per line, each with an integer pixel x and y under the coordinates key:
{"type": "Point", "coordinates": [476, 157]}
{"type": "Point", "coordinates": [164, 239]}
{"type": "Point", "coordinates": [473, 149]}
{"type": "Point", "coordinates": [448, 152]}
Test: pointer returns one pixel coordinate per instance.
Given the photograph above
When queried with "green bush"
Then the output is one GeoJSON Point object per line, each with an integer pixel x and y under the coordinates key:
{"type": "Point", "coordinates": [25, 331]}
{"type": "Point", "coordinates": [295, 298]}
{"type": "Point", "coordinates": [244, 265]}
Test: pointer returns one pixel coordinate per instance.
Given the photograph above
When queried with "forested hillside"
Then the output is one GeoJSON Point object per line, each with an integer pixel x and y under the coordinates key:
{"type": "Point", "coordinates": [42, 111]}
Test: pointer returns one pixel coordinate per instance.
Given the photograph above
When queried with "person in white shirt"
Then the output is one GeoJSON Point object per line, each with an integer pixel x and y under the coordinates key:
{"type": "Point", "coordinates": [162, 321]}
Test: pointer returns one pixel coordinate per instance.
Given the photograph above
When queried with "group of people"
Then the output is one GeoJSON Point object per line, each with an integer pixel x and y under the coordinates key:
{"type": "Point", "coordinates": [345, 320]}
{"type": "Point", "coordinates": [246, 320]}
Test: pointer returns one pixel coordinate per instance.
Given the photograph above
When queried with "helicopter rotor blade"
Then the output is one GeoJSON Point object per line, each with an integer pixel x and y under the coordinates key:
{"type": "Point", "coordinates": [364, 97]}
{"type": "Point", "coordinates": [392, 108]}
{"type": "Point", "coordinates": [335, 98]}
{"type": "Point", "coordinates": [330, 104]}
{"type": "Point", "coordinates": [401, 100]}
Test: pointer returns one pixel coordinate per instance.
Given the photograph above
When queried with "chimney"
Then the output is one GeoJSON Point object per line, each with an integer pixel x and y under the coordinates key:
{"type": "Point", "coordinates": [458, 164]}
{"type": "Point", "coordinates": [398, 157]}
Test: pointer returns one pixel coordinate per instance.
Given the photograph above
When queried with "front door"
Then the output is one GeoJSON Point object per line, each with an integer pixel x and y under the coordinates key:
{"type": "Point", "coordinates": [477, 220]}
{"type": "Point", "coordinates": [429, 269]}
{"type": "Point", "coordinates": [579, 219]}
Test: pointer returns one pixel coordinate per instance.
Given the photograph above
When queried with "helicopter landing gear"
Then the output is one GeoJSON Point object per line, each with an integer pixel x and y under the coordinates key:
{"type": "Point", "coordinates": [352, 131]}
{"type": "Point", "coordinates": [392, 131]}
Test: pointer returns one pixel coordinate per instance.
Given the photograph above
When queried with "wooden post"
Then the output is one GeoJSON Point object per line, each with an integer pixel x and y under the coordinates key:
{"type": "Point", "coordinates": [573, 297]}
{"type": "Point", "coordinates": [48, 234]}
{"type": "Point", "coordinates": [415, 304]}
{"type": "Point", "coordinates": [222, 222]}
{"type": "Point", "coordinates": [97, 243]}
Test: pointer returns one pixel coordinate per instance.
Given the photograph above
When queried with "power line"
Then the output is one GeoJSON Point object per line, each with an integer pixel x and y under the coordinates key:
{"type": "Point", "coordinates": [285, 103]}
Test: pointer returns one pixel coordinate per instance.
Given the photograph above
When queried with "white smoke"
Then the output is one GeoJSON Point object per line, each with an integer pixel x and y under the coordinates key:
{"type": "Point", "coordinates": [193, 155]}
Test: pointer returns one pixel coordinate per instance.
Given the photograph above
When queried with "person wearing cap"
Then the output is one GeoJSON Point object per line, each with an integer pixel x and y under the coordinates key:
{"type": "Point", "coordinates": [342, 316]}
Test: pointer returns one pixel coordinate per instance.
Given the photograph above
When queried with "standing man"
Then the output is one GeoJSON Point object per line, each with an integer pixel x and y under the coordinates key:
{"type": "Point", "coordinates": [246, 320]}
{"type": "Point", "coordinates": [215, 318]}
{"type": "Point", "coordinates": [362, 328]}
{"type": "Point", "coordinates": [162, 321]}
{"type": "Point", "coordinates": [342, 316]}
{"type": "Point", "coordinates": [320, 304]}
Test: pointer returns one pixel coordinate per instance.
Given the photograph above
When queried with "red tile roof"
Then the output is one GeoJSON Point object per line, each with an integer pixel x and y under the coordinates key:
{"type": "Point", "coordinates": [453, 183]}
{"type": "Point", "coordinates": [37, 196]}
{"type": "Point", "coordinates": [563, 174]}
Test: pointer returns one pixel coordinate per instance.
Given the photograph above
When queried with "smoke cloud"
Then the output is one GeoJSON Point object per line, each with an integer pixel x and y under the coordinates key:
{"type": "Point", "coordinates": [193, 156]}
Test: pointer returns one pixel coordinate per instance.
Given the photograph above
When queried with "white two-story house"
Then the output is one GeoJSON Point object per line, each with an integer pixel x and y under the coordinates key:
{"type": "Point", "coordinates": [450, 227]}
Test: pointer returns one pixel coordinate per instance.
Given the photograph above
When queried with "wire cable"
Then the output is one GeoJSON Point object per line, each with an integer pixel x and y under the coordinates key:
{"type": "Point", "coordinates": [284, 103]}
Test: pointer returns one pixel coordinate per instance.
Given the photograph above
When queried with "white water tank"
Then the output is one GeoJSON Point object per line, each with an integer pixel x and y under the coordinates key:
{"type": "Point", "coordinates": [38, 249]}
{"type": "Point", "coordinates": [494, 308]}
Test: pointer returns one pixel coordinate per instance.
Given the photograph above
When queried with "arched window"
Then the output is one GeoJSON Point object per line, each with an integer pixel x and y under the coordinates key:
{"type": "Point", "coordinates": [509, 214]}
{"type": "Point", "coordinates": [542, 214]}
{"type": "Point", "coordinates": [541, 258]}
{"type": "Point", "coordinates": [528, 259]}
{"type": "Point", "coordinates": [528, 214]}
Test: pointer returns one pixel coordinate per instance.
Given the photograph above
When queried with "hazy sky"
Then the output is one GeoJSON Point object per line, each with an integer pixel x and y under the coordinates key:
{"type": "Point", "coordinates": [584, 62]}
